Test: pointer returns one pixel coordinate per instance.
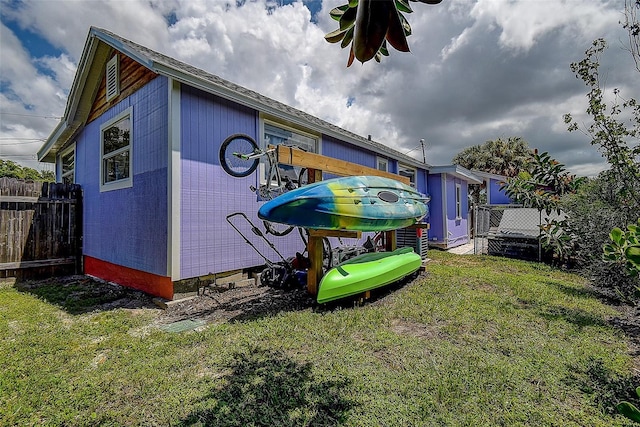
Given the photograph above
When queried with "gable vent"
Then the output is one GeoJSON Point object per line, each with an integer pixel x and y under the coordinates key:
{"type": "Point", "coordinates": [113, 78]}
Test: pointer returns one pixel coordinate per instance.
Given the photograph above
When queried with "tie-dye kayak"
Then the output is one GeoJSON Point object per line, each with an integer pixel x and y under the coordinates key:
{"type": "Point", "coordinates": [360, 203]}
{"type": "Point", "coordinates": [367, 272]}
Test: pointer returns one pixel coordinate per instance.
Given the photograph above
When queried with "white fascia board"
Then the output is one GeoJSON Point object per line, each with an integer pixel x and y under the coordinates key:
{"type": "Point", "coordinates": [458, 172]}
{"type": "Point", "coordinates": [489, 175]}
{"type": "Point", "coordinates": [67, 127]}
{"type": "Point", "coordinates": [174, 182]}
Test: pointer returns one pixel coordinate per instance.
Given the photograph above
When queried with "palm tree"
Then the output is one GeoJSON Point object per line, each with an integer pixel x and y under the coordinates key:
{"type": "Point", "coordinates": [499, 157]}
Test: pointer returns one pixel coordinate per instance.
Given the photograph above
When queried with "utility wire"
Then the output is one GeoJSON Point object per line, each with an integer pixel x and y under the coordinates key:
{"type": "Point", "coordinates": [30, 115]}
{"type": "Point", "coordinates": [21, 143]}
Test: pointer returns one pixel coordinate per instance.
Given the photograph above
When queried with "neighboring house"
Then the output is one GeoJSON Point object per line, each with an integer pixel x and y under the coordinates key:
{"type": "Point", "coordinates": [141, 133]}
{"type": "Point", "coordinates": [493, 187]}
{"type": "Point", "coordinates": [449, 207]}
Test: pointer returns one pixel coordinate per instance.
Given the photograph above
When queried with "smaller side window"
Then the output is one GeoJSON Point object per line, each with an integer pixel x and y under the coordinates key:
{"type": "Point", "coordinates": [409, 172]}
{"type": "Point", "coordinates": [68, 163]}
{"type": "Point", "coordinates": [116, 151]}
{"type": "Point", "coordinates": [458, 201]}
{"type": "Point", "coordinates": [382, 164]}
{"type": "Point", "coordinates": [277, 134]}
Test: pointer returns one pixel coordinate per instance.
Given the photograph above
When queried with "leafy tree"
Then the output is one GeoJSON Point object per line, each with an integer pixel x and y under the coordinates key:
{"type": "Point", "coordinates": [615, 126]}
{"type": "Point", "coordinates": [543, 188]}
{"type": "Point", "coordinates": [632, 25]}
{"type": "Point", "coordinates": [367, 25]}
{"type": "Point", "coordinates": [617, 141]}
{"type": "Point", "coordinates": [499, 157]}
{"type": "Point", "coordinates": [13, 170]}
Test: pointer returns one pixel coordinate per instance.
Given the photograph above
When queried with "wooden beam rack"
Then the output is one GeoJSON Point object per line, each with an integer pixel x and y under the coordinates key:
{"type": "Point", "coordinates": [316, 164]}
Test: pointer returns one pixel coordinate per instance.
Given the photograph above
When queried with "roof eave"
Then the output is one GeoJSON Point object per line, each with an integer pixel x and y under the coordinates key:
{"type": "Point", "coordinates": [458, 172]}
{"type": "Point", "coordinates": [235, 96]}
{"type": "Point", "coordinates": [489, 175]}
{"type": "Point", "coordinates": [80, 98]}
{"type": "Point", "coordinates": [45, 153]}
{"type": "Point", "coordinates": [100, 42]}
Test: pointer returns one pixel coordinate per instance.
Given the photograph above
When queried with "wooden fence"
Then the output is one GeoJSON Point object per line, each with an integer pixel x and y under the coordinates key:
{"type": "Point", "coordinates": [40, 228]}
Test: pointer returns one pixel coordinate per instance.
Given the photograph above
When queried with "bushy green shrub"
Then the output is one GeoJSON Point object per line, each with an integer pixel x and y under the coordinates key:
{"type": "Point", "coordinates": [624, 247]}
{"type": "Point", "coordinates": [599, 206]}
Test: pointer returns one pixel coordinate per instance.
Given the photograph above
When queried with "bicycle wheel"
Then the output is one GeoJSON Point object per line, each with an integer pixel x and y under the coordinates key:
{"type": "Point", "coordinates": [233, 155]}
{"type": "Point", "coordinates": [277, 229]}
{"type": "Point", "coordinates": [303, 177]}
{"type": "Point", "coordinates": [327, 250]}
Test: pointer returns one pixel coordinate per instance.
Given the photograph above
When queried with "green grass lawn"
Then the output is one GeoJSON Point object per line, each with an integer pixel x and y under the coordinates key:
{"type": "Point", "coordinates": [479, 341]}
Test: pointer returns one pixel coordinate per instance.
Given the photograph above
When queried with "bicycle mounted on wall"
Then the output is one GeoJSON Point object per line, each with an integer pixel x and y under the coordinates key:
{"type": "Point", "coordinates": [240, 157]}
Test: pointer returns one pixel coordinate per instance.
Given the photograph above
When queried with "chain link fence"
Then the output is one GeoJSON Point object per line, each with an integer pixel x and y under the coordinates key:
{"type": "Point", "coordinates": [509, 231]}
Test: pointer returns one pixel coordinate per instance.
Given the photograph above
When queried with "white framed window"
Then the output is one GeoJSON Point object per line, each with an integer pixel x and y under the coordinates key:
{"type": "Point", "coordinates": [276, 134]}
{"type": "Point", "coordinates": [409, 172]}
{"type": "Point", "coordinates": [116, 151]}
{"type": "Point", "coordinates": [458, 201]}
{"type": "Point", "coordinates": [382, 164]}
{"type": "Point", "coordinates": [112, 76]}
{"type": "Point", "coordinates": [68, 165]}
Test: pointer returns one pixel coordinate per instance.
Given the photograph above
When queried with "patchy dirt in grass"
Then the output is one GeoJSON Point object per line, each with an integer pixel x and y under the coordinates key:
{"type": "Point", "coordinates": [251, 302]}
{"type": "Point", "coordinates": [416, 329]}
{"type": "Point", "coordinates": [82, 294]}
{"type": "Point", "coordinates": [236, 304]}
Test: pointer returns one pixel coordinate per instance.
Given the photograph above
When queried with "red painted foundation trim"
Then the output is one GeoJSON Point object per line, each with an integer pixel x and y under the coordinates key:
{"type": "Point", "coordinates": [153, 284]}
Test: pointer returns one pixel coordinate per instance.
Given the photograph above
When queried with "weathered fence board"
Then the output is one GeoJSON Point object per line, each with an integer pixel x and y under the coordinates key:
{"type": "Point", "coordinates": [40, 228]}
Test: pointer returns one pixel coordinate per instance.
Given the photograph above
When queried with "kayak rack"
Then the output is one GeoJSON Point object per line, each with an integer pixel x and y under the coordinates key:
{"type": "Point", "coordinates": [316, 164]}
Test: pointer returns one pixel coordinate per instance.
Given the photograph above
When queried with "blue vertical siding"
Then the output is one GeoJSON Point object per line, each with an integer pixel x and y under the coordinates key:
{"type": "Point", "coordinates": [456, 232]}
{"type": "Point", "coordinates": [128, 227]}
{"type": "Point", "coordinates": [436, 220]}
{"type": "Point", "coordinates": [497, 194]}
{"type": "Point", "coordinates": [421, 181]}
{"type": "Point", "coordinates": [393, 166]}
{"type": "Point", "coordinates": [208, 244]}
{"type": "Point", "coordinates": [336, 149]}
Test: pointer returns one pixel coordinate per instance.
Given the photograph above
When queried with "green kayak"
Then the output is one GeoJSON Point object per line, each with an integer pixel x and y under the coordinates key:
{"type": "Point", "coordinates": [366, 272]}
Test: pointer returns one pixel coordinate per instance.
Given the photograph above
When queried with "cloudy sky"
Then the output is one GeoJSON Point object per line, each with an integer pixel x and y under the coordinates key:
{"type": "Point", "coordinates": [478, 69]}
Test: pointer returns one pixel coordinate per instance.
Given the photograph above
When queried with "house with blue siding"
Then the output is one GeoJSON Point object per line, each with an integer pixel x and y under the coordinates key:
{"type": "Point", "coordinates": [141, 133]}
{"type": "Point", "coordinates": [449, 207]}
{"type": "Point", "coordinates": [493, 187]}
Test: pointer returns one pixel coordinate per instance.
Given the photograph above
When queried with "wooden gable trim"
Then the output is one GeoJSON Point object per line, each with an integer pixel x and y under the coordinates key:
{"type": "Point", "coordinates": [132, 77]}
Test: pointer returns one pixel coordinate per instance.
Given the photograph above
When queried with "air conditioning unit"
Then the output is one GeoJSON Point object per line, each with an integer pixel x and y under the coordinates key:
{"type": "Point", "coordinates": [417, 238]}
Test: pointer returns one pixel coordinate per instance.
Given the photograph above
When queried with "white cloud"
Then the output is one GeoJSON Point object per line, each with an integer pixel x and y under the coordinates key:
{"type": "Point", "coordinates": [27, 92]}
{"type": "Point", "coordinates": [477, 70]}
{"type": "Point", "coordinates": [65, 23]}
{"type": "Point", "coordinates": [521, 24]}
{"type": "Point", "coordinates": [63, 69]}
